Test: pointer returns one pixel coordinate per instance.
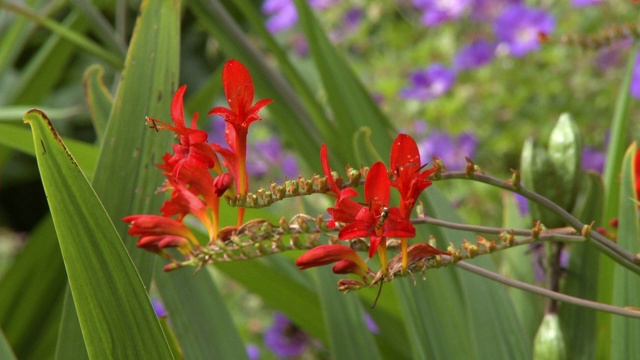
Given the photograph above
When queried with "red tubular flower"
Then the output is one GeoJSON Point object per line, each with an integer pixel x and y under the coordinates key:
{"type": "Point", "coordinates": [407, 178]}
{"type": "Point", "coordinates": [157, 232]}
{"type": "Point", "coordinates": [328, 254]}
{"type": "Point", "coordinates": [377, 221]}
{"type": "Point", "coordinates": [238, 87]}
{"type": "Point", "coordinates": [636, 170]}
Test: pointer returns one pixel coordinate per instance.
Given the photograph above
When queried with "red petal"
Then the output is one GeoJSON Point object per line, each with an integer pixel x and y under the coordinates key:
{"type": "Point", "coordinates": [404, 151]}
{"type": "Point", "coordinates": [177, 108]}
{"type": "Point", "coordinates": [326, 169]}
{"type": "Point", "coordinates": [376, 186]}
{"type": "Point", "coordinates": [327, 254]}
{"type": "Point", "coordinates": [238, 86]}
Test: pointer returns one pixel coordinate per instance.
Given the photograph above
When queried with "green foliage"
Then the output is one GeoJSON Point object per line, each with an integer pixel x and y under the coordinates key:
{"type": "Point", "coordinates": [80, 288]}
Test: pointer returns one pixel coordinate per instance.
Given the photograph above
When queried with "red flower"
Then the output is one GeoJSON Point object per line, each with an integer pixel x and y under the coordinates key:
{"type": "Point", "coordinates": [346, 209]}
{"type": "Point", "coordinates": [238, 87]}
{"type": "Point", "coordinates": [193, 149]}
{"type": "Point", "coordinates": [348, 260]}
{"type": "Point", "coordinates": [405, 168]}
{"type": "Point", "coordinates": [157, 232]}
{"type": "Point", "coordinates": [376, 220]}
{"type": "Point", "coordinates": [407, 178]}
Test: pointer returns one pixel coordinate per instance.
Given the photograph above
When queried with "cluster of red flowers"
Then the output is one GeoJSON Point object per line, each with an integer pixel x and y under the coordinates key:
{"type": "Point", "coordinates": [190, 170]}
{"type": "Point", "coordinates": [376, 219]}
{"type": "Point", "coordinates": [195, 190]}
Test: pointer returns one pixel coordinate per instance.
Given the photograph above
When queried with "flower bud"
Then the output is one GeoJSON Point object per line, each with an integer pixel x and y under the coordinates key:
{"type": "Point", "coordinates": [549, 341]}
{"type": "Point", "coordinates": [222, 183]}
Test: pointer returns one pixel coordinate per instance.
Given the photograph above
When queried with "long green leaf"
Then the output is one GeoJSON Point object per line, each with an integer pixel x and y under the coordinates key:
{"type": "Point", "coordinates": [497, 319]}
{"type": "Point", "coordinates": [99, 99]}
{"type": "Point", "coordinates": [615, 153]}
{"type": "Point", "coordinates": [20, 139]}
{"type": "Point", "coordinates": [32, 293]}
{"type": "Point", "coordinates": [344, 314]}
{"type": "Point", "coordinates": [126, 175]}
{"type": "Point", "coordinates": [625, 332]}
{"type": "Point", "coordinates": [199, 317]}
{"type": "Point", "coordinates": [352, 107]}
{"type": "Point", "coordinates": [115, 313]}
{"type": "Point", "coordinates": [582, 275]}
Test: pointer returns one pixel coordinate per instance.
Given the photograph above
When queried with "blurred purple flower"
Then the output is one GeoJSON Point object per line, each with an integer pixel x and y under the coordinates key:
{"type": "Point", "coordinates": [269, 154]}
{"type": "Point", "coordinates": [613, 55]}
{"type": "Point", "coordinates": [487, 10]}
{"type": "Point", "coordinates": [253, 351]}
{"type": "Point", "coordinates": [429, 83]}
{"type": "Point", "coordinates": [352, 18]}
{"type": "Point", "coordinates": [583, 3]}
{"type": "Point", "coordinates": [158, 306]}
{"type": "Point", "coordinates": [474, 55]}
{"type": "Point", "coordinates": [436, 12]}
{"type": "Point", "coordinates": [216, 133]}
{"type": "Point", "coordinates": [522, 203]}
{"type": "Point", "coordinates": [451, 150]}
{"type": "Point", "coordinates": [371, 325]}
{"type": "Point", "coordinates": [519, 26]}
{"type": "Point", "coordinates": [635, 78]}
{"type": "Point", "coordinates": [284, 339]}
{"type": "Point", "coordinates": [283, 14]}
{"type": "Point", "coordinates": [593, 159]}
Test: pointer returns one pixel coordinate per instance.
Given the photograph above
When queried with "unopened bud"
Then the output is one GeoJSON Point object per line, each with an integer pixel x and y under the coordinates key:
{"type": "Point", "coordinates": [222, 183]}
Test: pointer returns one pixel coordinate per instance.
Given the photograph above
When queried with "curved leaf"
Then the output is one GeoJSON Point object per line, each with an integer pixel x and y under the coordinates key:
{"type": "Point", "coordinates": [115, 313]}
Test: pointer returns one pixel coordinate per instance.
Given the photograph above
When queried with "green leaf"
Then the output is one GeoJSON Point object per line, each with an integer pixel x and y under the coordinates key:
{"type": "Point", "coordinates": [352, 106]}
{"type": "Point", "coordinates": [115, 313]}
{"type": "Point", "coordinates": [581, 279]}
{"type": "Point", "coordinates": [46, 66]}
{"type": "Point", "coordinates": [126, 176]}
{"type": "Point", "coordinates": [68, 34]}
{"type": "Point", "coordinates": [274, 286]}
{"type": "Point", "coordinates": [5, 349]}
{"type": "Point", "coordinates": [98, 99]}
{"type": "Point", "coordinates": [517, 263]}
{"type": "Point", "coordinates": [199, 316]}
{"type": "Point", "coordinates": [32, 294]}
{"type": "Point", "coordinates": [615, 152]}
{"type": "Point", "coordinates": [488, 309]}
{"type": "Point", "coordinates": [349, 337]}
{"type": "Point", "coordinates": [19, 138]}
{"type": "Point", "coordinates": [565, 153]}
{"type": "Point", "coordinates": [625, 332]}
